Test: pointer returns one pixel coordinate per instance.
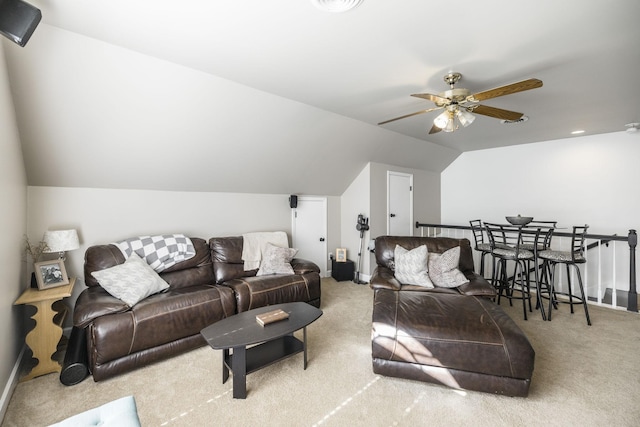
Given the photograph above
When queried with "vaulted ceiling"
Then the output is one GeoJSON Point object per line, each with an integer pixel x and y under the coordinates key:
{"type": "Point", "coordinates": [279, 97]}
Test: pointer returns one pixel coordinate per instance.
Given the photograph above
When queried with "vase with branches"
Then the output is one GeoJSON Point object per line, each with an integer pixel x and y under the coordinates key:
{"type": "Point", "coordinates": [34, 251]}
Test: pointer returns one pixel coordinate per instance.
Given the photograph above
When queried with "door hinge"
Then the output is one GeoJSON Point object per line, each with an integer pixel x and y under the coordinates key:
{"type": "Point", "coordinates": [411, 188]}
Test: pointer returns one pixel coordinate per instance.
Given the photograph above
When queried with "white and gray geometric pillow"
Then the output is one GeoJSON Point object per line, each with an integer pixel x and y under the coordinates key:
{"type": "Point", "coordinates": [443, 269]}
{"type": "Point", "coordinates": [132, 281]}
{"type": "Point", "coordinates": [411, 267]}
{"type": "Point", "coordinates": [276, 260]}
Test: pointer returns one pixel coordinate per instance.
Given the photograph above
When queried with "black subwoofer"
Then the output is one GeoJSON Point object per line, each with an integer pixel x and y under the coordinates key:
{"type": "Point", "coordinates": [75, 367]}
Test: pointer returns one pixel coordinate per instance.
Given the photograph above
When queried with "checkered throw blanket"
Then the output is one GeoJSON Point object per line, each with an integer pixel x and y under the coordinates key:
{"type": "Point", "coordinates": [160, 252]}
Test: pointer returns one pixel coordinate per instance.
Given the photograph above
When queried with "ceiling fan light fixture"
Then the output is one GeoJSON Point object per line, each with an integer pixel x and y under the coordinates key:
{"type": "Point", "coordinates": [451, 125]}
{"type": "Point", "coordinates": [442, 120]}
{"type": "Point", "coordinates": [446, 121]}
{"type": "Point", "coordinates": [464, 117]}
{"type": "Point", "coordinates": [336, 6]}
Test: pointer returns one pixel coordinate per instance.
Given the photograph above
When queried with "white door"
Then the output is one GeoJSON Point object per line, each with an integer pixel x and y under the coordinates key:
{"type": "Point", "coordinates": [399, 204]}
{"type": "Point", "coordinates": [309, 230]}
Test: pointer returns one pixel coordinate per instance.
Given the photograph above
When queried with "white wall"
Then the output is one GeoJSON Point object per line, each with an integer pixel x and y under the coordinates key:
{"type": "Point", "coordinates": [584, 180]}
{"type": "Point", "coordinates": [13, 211]}
{"type": "Point", "coordinates": [426, 196]}
{"type": "Point", "coordinates": [103, 216]}
{"type": "Point", "coordinates": [356, 200]}
{"type": "Point", "coordinates": [367, 195]}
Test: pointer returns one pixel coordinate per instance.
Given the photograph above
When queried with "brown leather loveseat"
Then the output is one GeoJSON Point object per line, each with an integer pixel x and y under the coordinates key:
{"type": "Point", "coordinates": [202, 290]}
{"type": "Point", "coordinates": [457, 337]}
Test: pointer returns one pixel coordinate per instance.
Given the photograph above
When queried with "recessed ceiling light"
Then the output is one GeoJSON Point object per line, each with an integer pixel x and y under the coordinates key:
{"type": "Point", "coordinates": [336, 6]}
{"type": "Point", "coordinates": [577, 132]}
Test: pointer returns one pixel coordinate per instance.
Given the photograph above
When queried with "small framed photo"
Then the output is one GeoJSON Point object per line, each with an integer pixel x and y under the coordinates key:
{"type": "Point", "coordinates": [341, 255]}
{"type": "Point", "coordinates": [50, 274]}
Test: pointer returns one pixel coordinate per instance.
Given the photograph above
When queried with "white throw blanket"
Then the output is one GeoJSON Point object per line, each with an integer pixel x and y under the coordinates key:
{"type": "Point", "coordinates": [253, 246]}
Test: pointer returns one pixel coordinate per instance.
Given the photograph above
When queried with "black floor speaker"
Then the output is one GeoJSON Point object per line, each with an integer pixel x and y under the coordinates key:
{"type": "Point", "coordinates": [75, 367]}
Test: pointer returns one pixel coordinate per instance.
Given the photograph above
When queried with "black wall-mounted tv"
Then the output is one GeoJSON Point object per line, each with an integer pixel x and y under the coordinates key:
{"type": "Point", "coordinates": [18, 20]}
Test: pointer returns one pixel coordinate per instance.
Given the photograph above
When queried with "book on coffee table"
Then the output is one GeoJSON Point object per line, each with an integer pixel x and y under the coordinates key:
{"type": "Point", "coordinates": [271, 316]}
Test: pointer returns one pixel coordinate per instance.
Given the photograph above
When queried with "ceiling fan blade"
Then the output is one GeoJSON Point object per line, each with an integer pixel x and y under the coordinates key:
{"type": "Point", "coordinates": [434, 129]}
{"type": "Point", "coordinates": [505, 90]}
{"type": "Point", "coordinates": [439, 100]}
{"type": "Point", "coordinates": [409, 115]}
{"type": "Point", "coordinates": [494, 112]}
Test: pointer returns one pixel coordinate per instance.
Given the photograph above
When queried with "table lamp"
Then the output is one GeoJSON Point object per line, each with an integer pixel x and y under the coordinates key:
{"type": "Point", "coordinates": [61, 241]}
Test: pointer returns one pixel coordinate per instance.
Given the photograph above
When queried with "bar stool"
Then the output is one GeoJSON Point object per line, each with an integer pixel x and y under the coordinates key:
{"type": "Point", "coordinates": [536, 237]}
{"type": "Point", "coordinates": [572, 257]}
{"type": "Point", "coordinates": [505, 241]}
{"type": "Point", "coordinates": [480, 245]}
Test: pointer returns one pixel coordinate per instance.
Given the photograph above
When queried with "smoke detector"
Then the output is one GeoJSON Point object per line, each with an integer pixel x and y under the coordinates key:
{"type": "Point", "coordinates": [633, 127]}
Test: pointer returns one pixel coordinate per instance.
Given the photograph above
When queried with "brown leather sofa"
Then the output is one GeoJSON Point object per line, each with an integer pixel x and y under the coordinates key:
{"type": "Point", "coordinates": [202, 290]}
{"type": "Point", "coordinates": [457, 337]}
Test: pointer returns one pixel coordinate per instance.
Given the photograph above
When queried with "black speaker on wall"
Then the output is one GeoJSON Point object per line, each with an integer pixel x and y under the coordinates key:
{"type": "Point", "coordinates": [18, 20]}
{"type": "Point", "coordinates": [293, 201]}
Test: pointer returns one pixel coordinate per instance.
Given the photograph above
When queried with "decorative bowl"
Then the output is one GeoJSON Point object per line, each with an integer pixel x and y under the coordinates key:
{"type": "Point", "coordinates": [519, 220]}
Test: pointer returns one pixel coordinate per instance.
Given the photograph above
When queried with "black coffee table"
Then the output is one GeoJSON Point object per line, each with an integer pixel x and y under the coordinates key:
{"type": "Point", "coordinates": [274, 341]}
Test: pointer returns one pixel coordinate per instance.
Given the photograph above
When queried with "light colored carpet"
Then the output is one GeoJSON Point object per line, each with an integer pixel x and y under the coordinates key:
{"type": "Point", "coordinates": [584, 376]}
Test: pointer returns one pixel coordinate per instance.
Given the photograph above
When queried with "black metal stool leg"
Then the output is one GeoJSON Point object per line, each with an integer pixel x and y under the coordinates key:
{"type": "Point", "coordinates": [584, 299]}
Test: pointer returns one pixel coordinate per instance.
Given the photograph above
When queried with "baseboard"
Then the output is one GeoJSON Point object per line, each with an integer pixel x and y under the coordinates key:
{"type": "Point", "coordinates": [11, 384]}
{"type": "Point", "coordinates": [14, 378]}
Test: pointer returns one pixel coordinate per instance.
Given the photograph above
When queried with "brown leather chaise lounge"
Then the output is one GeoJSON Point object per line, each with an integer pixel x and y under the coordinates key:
{"type": "Point", "coordinates": [457, 337]}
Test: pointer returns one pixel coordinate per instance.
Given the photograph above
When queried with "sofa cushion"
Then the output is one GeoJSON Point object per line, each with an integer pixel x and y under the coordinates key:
{"type": "Point", "coordinates": [411, 267]}
{"type": "Point", "coordinates": [226, 255]}
{"type": "Point", "coordinates": [253, 292]}
{"type": "Point", "coordinates": [276, 260]}
{"type": "Point", "coordinates": [157, 320]}
{"type": "Point", "coordinates": [118, 413]}
{"type": "Point", "coordinates": [132, 281]}
{"type": "Point", "coordinates": [443, 269]}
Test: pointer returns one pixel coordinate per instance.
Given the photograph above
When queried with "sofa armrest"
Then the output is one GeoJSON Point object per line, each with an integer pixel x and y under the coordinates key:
{"type": "Point", "coordinates": [477, 286]}
{"type": "Point", "coordinates": [303, 266]}
{"type": "Point", "coordinates": [383, 278]}
{"type": "Point", "coordinates": [94, 302]}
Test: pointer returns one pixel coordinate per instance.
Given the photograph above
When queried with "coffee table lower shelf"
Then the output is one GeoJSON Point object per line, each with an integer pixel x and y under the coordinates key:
{"type": "Point", "coordinates": [244, 361]}
{"type": "Point", "coordinates": [265, 354]}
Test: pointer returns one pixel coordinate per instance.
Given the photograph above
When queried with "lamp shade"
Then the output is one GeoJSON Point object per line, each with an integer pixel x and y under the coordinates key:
{"type": "Point", "coordinates": [61, 240]}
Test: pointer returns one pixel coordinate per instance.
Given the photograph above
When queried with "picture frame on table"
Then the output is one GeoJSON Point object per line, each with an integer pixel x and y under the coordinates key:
{"type": "Point", "coordinates": [50, 274]}
{"type": "Point", "coordinates": [341, 255]}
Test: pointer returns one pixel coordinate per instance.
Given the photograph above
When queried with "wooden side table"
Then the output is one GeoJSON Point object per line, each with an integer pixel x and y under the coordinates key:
{"type": "Point", "coordinates": [50, 313]}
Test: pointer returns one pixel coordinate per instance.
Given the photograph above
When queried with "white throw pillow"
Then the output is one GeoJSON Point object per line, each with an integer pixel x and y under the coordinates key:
{"type": "Point", "coordinates": [443, 269]}
{"type": "Point", "coordinates": [132, 281]}
{"type": "Point", "coordinates": [276, 260]}
{"type": "Point", "coordinates": [411, 266]}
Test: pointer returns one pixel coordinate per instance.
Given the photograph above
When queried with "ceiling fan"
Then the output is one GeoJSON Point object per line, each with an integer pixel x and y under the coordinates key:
{"type": "Point", "coordinates": [460, 103]}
